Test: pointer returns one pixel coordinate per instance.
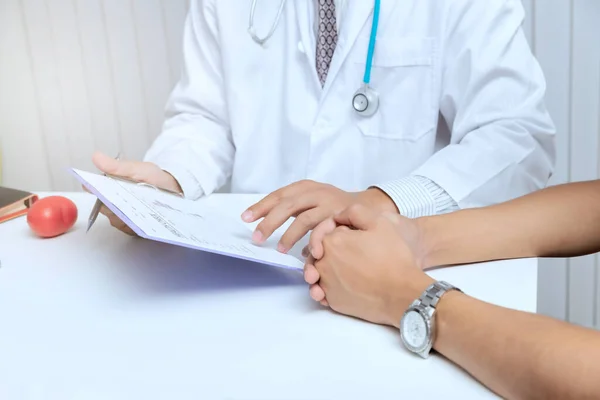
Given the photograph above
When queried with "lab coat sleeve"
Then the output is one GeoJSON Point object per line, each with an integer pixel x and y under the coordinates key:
{"type": "Point", "coordinates": [195, 145]}
{"type": "Point", "coordinates": [502, 138]}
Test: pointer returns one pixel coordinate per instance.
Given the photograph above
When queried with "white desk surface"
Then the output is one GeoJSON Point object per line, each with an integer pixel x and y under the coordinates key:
{"type": "Point", "coordinates": [106, 316]}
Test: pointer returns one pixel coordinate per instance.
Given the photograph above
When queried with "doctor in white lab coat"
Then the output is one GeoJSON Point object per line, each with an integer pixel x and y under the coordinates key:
{"type": "Point", "coordinates": [461, 120]}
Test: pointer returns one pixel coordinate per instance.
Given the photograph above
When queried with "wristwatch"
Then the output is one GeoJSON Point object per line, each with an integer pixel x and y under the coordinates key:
{"type": "Point", "coordinates": [417, 326]}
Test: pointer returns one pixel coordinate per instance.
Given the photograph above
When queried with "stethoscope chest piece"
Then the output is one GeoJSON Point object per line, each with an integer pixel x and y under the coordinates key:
{"type": "Point", "coordinates": [365, 101]}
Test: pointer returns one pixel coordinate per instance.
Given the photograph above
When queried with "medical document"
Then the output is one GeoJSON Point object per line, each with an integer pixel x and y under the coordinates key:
{"type": "Point", "coordinates": [161, 216]}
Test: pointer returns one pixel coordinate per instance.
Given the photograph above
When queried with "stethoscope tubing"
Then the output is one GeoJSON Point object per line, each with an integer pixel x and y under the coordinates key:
{"type": "Point", "coordinates": [369, 95]}
{"type": "Point", "coordinates": [372, 40]}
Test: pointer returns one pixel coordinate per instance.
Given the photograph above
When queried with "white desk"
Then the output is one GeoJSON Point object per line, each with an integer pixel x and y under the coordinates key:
{"type": "Point", "coordinates": [105, 316]}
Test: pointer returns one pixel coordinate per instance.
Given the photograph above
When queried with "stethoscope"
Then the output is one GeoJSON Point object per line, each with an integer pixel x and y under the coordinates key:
{"type": "Point", "coordinates": [365, 100]}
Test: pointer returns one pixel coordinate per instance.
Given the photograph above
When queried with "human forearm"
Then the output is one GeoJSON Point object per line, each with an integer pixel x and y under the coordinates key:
{"type": "Point", "coordinates": [516, 354]}
{"type": "Point", "coordinates": [559, 221]}
{"type": "Point", "coordinates": [195, 145]}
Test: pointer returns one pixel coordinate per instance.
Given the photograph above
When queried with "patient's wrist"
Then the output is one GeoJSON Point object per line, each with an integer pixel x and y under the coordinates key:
{"type": "Point", "coordinates": [404, 294]}
{"type": "Point", "coordinates": [427, 238]}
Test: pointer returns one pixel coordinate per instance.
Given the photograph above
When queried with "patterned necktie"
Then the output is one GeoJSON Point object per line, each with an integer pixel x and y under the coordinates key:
{"type": "Point", "coordinates": [327, 38]}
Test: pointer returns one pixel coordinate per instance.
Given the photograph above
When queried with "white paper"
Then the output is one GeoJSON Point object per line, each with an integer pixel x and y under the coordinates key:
{"type": "Point", "coordinates": [161, 216]}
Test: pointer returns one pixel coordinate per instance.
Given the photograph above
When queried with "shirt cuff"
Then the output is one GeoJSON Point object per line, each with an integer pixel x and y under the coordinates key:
{"type": "Point", "coordinates": [417, 196]}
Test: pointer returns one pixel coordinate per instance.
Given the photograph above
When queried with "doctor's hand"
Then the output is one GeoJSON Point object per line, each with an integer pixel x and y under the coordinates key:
{"type": "Point", "coordinates": [137, 171]}
{"type": "Point", "coordinates": [368, 268]}
{"type": "Point", "coordinates": [310, 203]}
{"type": "Point", "coordinates": [407, 232]}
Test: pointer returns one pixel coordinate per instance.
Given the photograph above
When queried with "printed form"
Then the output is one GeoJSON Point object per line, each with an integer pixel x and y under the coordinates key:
{"type": "Point", "coordinates": [158, 215]}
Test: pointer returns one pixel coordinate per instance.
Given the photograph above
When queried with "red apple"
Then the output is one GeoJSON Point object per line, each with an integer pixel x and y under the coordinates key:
{"type": "Point", "coordinates": [52, 216]}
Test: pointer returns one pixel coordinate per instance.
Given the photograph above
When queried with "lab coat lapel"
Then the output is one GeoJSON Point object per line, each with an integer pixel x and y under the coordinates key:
{"type": "Point", "coordinates": [307, 37]}
{"type": "Point", "coordinates": [356, 15]}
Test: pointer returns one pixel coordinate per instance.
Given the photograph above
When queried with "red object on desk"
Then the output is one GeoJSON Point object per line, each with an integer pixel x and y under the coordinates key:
{"type": "Point", "coordinates": [52, 216]}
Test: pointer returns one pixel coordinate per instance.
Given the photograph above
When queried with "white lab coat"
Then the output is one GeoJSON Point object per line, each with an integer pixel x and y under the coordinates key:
{"type": "Point", "coordinates": [461, 101]}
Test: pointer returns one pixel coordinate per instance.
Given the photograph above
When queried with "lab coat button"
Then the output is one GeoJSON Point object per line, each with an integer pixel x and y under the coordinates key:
{"type": "Point", "coordinates": [301, 47]}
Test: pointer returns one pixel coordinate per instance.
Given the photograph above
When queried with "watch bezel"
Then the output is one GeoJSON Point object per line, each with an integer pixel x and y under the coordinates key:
{"type": "Point", "coordinates": [429, 329]}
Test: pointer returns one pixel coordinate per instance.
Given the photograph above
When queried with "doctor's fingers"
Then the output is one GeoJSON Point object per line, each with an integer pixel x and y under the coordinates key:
{"type": "Point", "coordinates": [303, 224]}
{"type": "Point", "coordinates": [283, 211]}
{"type": "Point", "coordinates": [120, 225]}
{"type": "Point", "coordinates": [116, 222]}
{"type": "Point", "coordinates": [267, 203]}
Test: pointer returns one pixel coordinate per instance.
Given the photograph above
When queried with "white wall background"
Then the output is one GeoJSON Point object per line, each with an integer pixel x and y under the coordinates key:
{"type": "Point", "coordinates": [80, 75]}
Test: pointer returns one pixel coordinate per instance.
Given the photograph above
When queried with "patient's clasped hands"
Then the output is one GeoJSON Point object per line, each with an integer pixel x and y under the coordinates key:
{"type": "Point", "coordinates": [367, 264]}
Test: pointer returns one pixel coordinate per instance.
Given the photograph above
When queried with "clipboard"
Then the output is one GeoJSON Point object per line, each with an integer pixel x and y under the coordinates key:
{"type": "Point", "coordinates": [165, 217]}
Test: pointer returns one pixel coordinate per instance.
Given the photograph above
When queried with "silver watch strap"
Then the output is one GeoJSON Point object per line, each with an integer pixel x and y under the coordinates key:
{"type": "Point", "coordinates": [434, 293]}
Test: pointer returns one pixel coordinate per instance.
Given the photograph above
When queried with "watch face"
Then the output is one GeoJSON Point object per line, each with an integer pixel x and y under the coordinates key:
{"type": "Point", "coordinates": [414, 330]}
